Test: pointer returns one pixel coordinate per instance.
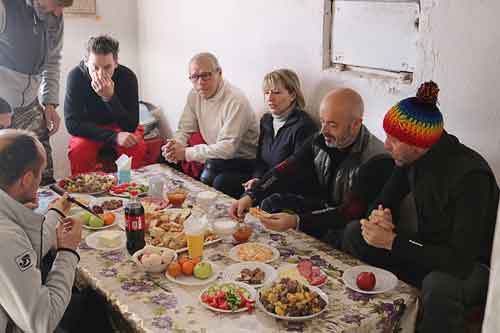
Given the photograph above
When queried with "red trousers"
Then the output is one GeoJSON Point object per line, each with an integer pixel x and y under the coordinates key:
{"type": "Point", "coordinates": [82, 152]}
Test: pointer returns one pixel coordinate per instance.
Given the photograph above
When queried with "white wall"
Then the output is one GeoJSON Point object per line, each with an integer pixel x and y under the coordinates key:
{"type": "Point", "coordinates": [115, 17]}
{"type": "Point", "coordinates": [459, 50]}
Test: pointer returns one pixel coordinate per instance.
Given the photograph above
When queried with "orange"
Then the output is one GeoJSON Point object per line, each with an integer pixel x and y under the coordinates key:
{"type": "Point", "coordinates": [108, 218]}
{"type": "Point", "coordinates": [187, 268]}
{"type": "Point", "coordinates": [195, 260]}
{"type": "Point", "coordinates": [183, 259]}
{"type": "Point", "coordinates": [174, 269]}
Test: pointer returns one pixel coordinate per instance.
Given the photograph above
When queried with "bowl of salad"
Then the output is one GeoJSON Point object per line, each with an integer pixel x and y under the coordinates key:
{"type": "Point", "coordinates": [229, 297]}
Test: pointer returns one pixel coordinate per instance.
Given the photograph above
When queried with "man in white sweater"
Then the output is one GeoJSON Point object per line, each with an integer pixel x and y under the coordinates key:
{"type": "Point", "coordinates": [222, 114]}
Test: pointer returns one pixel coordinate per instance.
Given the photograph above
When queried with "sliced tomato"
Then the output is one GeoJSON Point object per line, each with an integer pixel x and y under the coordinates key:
{"type": "Point", "coordinates": [224, 306]}
{"type": "Point", "coordinates": [317, 280]}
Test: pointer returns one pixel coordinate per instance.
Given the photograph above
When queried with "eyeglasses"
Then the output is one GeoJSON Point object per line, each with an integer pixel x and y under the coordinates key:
{"type": "Point", "coordinates": [205, 76]}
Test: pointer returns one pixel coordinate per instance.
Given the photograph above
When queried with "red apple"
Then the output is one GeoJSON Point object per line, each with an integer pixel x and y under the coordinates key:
{"type": "Point", "coordinates": [366, 281]}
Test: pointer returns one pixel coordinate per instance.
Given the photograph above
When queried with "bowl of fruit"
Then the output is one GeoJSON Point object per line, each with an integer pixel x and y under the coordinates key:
{"type": "Point", "coordinates": [191, 271]}
{"type": "Point", "coordinates": [97, 221]}
{"type": "Point", "coordinates": [154, 259]}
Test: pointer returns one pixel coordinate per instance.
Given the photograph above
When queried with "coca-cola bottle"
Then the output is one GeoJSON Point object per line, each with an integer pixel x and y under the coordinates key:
{"type": "Point", "coordinates": [135, 224]}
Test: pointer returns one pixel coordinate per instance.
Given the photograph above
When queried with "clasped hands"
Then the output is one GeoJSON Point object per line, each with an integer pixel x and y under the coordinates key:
{"type": "Point", "coordinates": [173, 151]}
{"type": "Point", "coordinates": [378, 229]}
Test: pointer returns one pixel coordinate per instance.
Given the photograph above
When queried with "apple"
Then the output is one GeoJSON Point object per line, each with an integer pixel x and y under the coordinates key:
{"type": "Point", "coordinates": [366, 281]}
{"type": "Point", "coordinates": [85, 216]}
{"type": "Point", "coordinates": [96, 222]}
{"type": "Point", "coordinates": [202, 270]}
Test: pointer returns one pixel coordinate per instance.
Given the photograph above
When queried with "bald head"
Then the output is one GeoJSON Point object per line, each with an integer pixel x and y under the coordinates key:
{"type": "Point", "coordinates": [341, 115]}
{"type": "Point", "coordinates": [344, 102]}
{"type": "Point", "coordinates": [20, 152]}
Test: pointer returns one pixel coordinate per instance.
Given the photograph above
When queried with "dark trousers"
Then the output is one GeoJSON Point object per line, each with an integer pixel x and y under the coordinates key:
{"type": "Point", "coordinates": [87, 310]}
{"type": "Point", "coordinates": [445, 298]}
{"type": "Point", "coordinates": [227, 176]}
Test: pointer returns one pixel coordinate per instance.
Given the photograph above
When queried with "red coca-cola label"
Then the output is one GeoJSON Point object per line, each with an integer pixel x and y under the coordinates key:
{"type": "Point", "coordinates": [135, 223]}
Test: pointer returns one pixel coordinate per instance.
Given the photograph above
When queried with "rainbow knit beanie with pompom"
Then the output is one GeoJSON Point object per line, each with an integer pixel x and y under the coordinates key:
{"type": "Point", "coordinates": [416, 121]}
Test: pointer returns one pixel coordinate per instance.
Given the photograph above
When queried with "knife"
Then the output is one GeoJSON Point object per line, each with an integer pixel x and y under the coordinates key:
{"type": "Point", "coordinates": [60, 191]}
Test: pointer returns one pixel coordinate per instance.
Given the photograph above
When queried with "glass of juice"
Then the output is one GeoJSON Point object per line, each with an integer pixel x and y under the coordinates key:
{"type": "Point", "coordinates": [195, 230]}
{"type": "Point", "coordinates": [176, 197]}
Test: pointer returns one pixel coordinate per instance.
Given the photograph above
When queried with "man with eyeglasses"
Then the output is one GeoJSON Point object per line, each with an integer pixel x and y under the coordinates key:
{"type": "Point", "coordinates": [31, 39]}
{"type": "Point", "coordinates": [5, 114]}
{"type": "Point", "coordinates": [222, 115]}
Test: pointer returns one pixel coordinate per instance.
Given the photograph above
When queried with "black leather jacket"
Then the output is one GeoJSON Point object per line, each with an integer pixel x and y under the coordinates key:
{"type": "Point", "coordinates": [345, 182]}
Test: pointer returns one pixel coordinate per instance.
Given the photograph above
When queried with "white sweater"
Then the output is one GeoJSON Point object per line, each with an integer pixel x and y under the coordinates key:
{"type": "Point", "coordinates": [226, 122]}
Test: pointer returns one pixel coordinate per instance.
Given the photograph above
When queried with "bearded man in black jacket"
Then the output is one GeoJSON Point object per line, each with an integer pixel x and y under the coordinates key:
{"type": "Point", "coordinates": [434, 220]}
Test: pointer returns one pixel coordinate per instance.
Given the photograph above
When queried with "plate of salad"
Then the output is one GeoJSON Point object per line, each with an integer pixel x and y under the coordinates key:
{"type": "Point", "coordinates": [229, 297]}
{"type": "Point", "coordinates": [123, 190]}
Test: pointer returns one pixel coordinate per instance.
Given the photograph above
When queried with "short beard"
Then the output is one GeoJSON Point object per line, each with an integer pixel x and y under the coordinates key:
{"type": "Point", "coordinates": [346, 141]}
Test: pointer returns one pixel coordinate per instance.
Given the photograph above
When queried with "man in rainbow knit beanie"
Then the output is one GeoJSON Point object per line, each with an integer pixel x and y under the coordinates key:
{"type": "Point", "coordinates": [433, 223]}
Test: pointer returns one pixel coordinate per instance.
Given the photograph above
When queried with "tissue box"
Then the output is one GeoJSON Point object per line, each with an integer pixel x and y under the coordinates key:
{"type": "Point", "coordinates": [124, 176]}
{"type": "Point", "coordinates": [123, 165]}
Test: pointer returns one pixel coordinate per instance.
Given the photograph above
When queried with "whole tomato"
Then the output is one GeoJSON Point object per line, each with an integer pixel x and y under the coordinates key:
{"type": "Point", "coordinates": [366, 281]}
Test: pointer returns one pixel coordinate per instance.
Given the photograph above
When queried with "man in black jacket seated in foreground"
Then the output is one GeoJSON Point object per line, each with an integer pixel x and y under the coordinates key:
{"type": "Point", "coordinates": [434, 220]}
{"type": "Point", "coordinates": [345, 165]}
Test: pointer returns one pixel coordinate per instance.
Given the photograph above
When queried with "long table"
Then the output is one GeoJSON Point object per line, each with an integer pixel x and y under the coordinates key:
{"type": "Point", "coordinates": [151, 303]}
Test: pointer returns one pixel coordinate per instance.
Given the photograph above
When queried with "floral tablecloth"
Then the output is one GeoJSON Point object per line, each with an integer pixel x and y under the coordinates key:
{"type": "Point", "coordinates": [151, 303]}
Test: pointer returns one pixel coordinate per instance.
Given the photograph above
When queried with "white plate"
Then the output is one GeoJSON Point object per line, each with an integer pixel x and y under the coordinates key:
{"type": "Point", "coordinates": [90, 193]}
{"type": "Point", "coordinates": [302, 318]}
{"type": "Point", "coordinates": [92, 240]}
{"type": "Point", "coordinates": [191, 281]}
{"type": "Point", "coordinates": [252, 291]}
{"type": "Point", "coordinates": [119, 220]}
{"type": "Point", "coordinates": [299, 277]}
{"type": "Point", "coordinates": [233, 253]}
{"type": "Point", "coordinates": [385, 280]}
{"type": "Point", "coordinates": [127, 194]}
{"type": "Point", "coordinates": [100, 200]}
{"type": "Point", "coordinates": [98, 228]}
{"type": "Point", "coordinates": [232, 273]}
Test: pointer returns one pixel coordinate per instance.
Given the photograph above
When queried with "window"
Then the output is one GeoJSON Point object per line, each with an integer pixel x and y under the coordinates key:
{"type": "Point", "coordinates": [371, 36]}
{"type": "Point", "coordinates": [82, 7]}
